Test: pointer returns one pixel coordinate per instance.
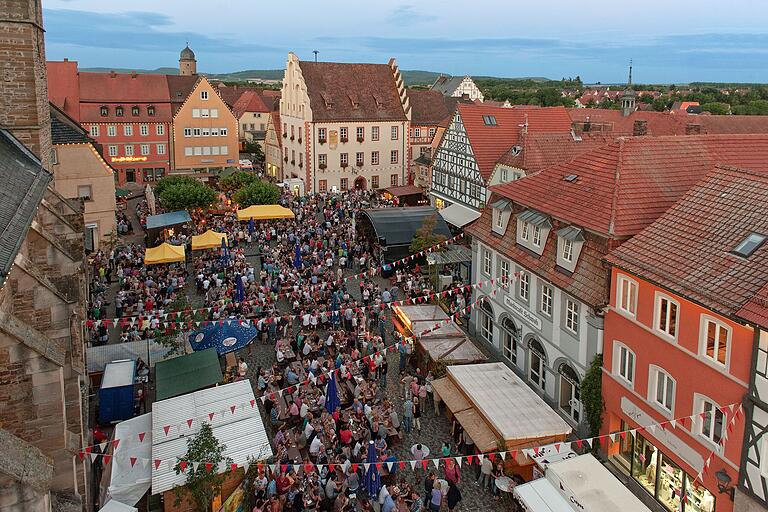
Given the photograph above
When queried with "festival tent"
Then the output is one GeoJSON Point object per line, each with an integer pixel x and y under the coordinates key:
{"type": "Point", "coordinates": [187, 373]}
{"type": "Point", "coordinates": [124, 483]}
{"type": "Point", "coordinates": [225, 336]}
{"type": "Point", "coordinates": [164, 253]}
{"type": "Point", "coordinates": [208, 240]}
{"type": "Point", "coordinates": [264, 212]}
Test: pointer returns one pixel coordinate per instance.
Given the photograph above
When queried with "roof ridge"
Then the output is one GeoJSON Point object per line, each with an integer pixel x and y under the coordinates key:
{"type": "Point", "coordinates": [616, 186]}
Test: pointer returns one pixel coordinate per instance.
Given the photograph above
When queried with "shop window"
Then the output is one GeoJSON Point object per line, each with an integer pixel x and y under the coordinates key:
{"type": "Point", "coordinates": [510, 337]}
{"type": "Point", "coordinates": [570, 392]}
{"type": "Point", "coordinates": [538, 363]}
{"type": "Point", "coordinates": [622, 457]}
{"type": "Point", "coordinates": [486, 323]}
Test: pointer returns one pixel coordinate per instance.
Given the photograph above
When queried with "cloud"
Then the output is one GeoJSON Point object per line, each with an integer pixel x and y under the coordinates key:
{"type": "Point", "coordinates": [407, 15]}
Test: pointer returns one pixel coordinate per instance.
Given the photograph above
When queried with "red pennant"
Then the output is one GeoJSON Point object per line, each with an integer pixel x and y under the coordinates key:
{"type": "Point", "coordinates": [354, 467]}
{"type": "Point", "coordinates": [492, 456]}
{"type": "Point", "coordinates": [514, 454]}
{"type": "Point", "coordinates": [623, 434]}
{"type": "Point", "coordinates": [536, 450]}
{"type": "Point", "coordinates": [284, 467]}
{"type": "Point", "coordinates": [331, 467]}
{"type": "Point", "coordinates": [233, 467]}
{"type": "Point", "coordinates": [157, 463]}
{"type": "Point", "coordinates": [183, 465]}
{"type": "Point", "coordinates": [232, 408]}
{"type": "Point", "coordinates": [402, 464]}
{"type": "Point", "coordinates": [166, 429]}
{"type": "Point", "coordinates": [133, 461]}
{"type": "Point", "coordinates": [88, 449]}
{"type": "Point", "coordinates": [557, 447]}
{"type": "Point", "coordinates": [141, 436]}
{"type": "Point", "coordinates": [189, 423]}
{"type": "Point", "coordinates": [308, 468]}
{"type": "Point", "coordinates": [253, 402]}
{"type": "Point", "coordinates": [106, 458]}
{"type": "Point", "coordinates": [210, 416]}
{"type": "Point", "coordinates": [81, 454]}
{"type": "Point", "coordinates": [424, 464]}
{"type": "Point", "coordinates": [578, 443]}
{"type": "Point", "coordinates": [115, 443]}
{"type": "Point", "coordinates": [208, 466]}
{"type": "Point", "coordinates": [378, 466]}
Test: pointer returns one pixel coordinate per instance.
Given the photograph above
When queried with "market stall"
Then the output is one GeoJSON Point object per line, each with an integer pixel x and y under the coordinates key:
{"type": "Point", "coordinates": [123, 483]}
{"type": "Point", "coordinates": [209, 240]}
{"type": "Point", "coordinates": [444, 342]}
{"type": "Point", "coordinates": [406, 195]}
{"type": "Point", "coordinates": [264, 212]}
{"type": "Point", "coordinates": [577, 484]}
{"type": "Point", "coordinates": [187, 373]}
{"type": "Point", "coordinates": [164, 253]}
{"type": "Point", "coordinates": [165, 225]}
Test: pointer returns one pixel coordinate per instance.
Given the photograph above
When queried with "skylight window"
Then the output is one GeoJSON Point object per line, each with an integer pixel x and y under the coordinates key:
{"type": "Point", "coordinates": [571, 178]}
{"type": "Point", "coordinates": [489, 120]}
{"type": "Point", "coordinates": [749, 245]}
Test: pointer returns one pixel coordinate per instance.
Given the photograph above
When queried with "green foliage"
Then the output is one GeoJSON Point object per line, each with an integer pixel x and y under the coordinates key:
{"type": "Point", "coordinates": [592, 395]}
{"type": "Point", "coordinates": [258, 192]}
{"type": "Point", "coordinates": [202, 485]}
{"type": "Point", "coordinates": [753, 108]}
{"type": "Point", "coordinates": [716, 107]}
{"type": "Point", "coordinates": [254, 148]}
{"type": "Point", "coordinates": [183, 193]}
{"type": "Point", "coordinates": [545, 93]}
{"type": "Point", "coordinates": [237, 180]}
{"type": "Point", "coordinates": [425, 236]}
{"type": "Point", "coordinates": [173, 336]}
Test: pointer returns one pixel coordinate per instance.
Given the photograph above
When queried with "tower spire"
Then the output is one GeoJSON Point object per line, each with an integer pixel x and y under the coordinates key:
{"type": "Point", "coordinates": [629, 82]}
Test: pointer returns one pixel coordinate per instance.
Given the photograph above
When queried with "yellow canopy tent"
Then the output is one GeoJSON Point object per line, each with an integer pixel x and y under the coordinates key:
{"type": "Point", "coordinates": [164, 253]}
{"type": "Point", "coordinates": [264, 212]}
{"type": "Point", "coordinates": [209, 240]}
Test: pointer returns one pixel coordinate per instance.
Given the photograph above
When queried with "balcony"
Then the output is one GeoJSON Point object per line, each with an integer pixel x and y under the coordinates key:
{"type": "Point", "coordinates": [344, 139]}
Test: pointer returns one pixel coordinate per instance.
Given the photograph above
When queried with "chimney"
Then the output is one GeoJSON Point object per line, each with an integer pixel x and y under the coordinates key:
{"type": "Point", "coordinates": [66, 59]}
{"type": "Point", "coordinates": [133, 74]}
{"type": "Point", "coordinates": [112, 73]}
{"type": "Point", "coordinates": [640, 127]}
{"type": "Point", "coordinates": [693, 129]}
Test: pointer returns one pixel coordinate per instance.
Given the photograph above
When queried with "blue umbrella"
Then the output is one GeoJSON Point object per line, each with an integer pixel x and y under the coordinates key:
{"type": "Point", "coordinates": [251, 226]}
{"type": "Point", "coordinates": [226, 337]}
{"type": "Point", "coordinates": [332, 394]}
{"type": "Point", "coordinates": [239, 289]}
{"type": "Point", "coordinates": [372, 477]}
{"type": "Point", "coordinates": [224, 253]}
{"type": "Point", "coordinates": [297, 257]}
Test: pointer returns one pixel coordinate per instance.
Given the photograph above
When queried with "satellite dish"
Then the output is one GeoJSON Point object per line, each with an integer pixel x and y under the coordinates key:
{"type": "Point", "coordinates": [516, 150]}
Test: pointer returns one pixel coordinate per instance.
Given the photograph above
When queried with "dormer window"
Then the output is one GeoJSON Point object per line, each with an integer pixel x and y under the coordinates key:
{"type": "Point", "coordinates": [119, 111]}
{"type": "Point", "coordinates": [151, 110]}
{"type": "Point", "coordinates": [533, 230]}
{"type": "Point", "coordinates": [502, 209]}
{"type": "Point", "coordinates": [104, 111]}
{"type": "Point", "coordinates": [569, 242]}
{"type": "Point", "coordinates": [134, 111]}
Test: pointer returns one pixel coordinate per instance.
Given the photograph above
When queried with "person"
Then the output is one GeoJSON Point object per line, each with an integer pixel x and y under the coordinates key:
{"type": "Point", "coordinates": [389, 504]}
{"type": "Point", "coordinates": [454, 496]}
{"type": "Point", "coordinates": [429, 483]}
{"type": "Point", "coordinates": [445, 449]}
{"type": "Point", "coordinates": [436, 500]}
{"type": "Point", "coordinates": [498, 472]}
{"type": "Point", "coordinates": [485, 479]}
{"type": "Point", "coordinates": [452, 472]}
{"type": "Point", "coordinates": [417, 413]}
{"type": "Point", "coordinates": [419, 452]}
{"type": "Point", "coordinates": [242, 368]}
{"type": "Point", "coordinates": [407, 415]}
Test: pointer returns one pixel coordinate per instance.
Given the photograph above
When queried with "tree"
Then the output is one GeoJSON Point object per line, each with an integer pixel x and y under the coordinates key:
{"type": "Point", "coordinates": [203, 484]}
{"type": "Point", "coordinates": [592, 395]}
{"type": "Point", "coordinates": [254, 148]}
{"type": "Point", "coordinates": [184, 193]}
{"type": "Point", "coordinates": [237, 180]}
{"type": "Point", "coordinates": [716, 108]}
{"type": "Point", "coordinates": [425, 235]}
{"type": "Point", "coordinates": [258, 192]}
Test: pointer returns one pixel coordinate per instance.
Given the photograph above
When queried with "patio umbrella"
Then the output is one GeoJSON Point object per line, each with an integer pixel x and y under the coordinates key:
{"type": "Point", "coordinates": [224, 253]}
{"type": "Point", "coordinates": [335, 308]}
{"type": "Point", "coordinates": [372, 477]}
{"type": "Point", "coordinates": [332, 395]}
{"type": "Point", "coordinates": [297, 257]}
{"type": "Point", "coordinates": [239, 289]}
{"type": "Point", "coordinates": [251, 226]}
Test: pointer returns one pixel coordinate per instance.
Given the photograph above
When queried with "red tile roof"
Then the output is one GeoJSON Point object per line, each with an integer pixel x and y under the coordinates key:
{"type": "Point", "coordinates": [350, 92]}
{"type": "Point", "coordinates": [542, 150]}
{"type": "Point", "coordinates": [249, 101]}
{"type": "Point", "coordinates": [489, 143]}
{"type": "Point", "coordinates": [431, 108]}
{"type": "Point", "coordinates": [621, 188]}
{"type": "Point", "coordinates": [271, 99]}
{"type": "Point", "coordinates": [688, 249]}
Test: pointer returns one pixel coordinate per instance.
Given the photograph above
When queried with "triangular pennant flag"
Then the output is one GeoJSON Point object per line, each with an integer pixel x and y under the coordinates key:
{"type": "Point", "coordinates": [211, 414]}
{"type": "Point", "coordinates": [183, 465]}
{"type": "Point", "coordinates": [424, 464]}
{"type": "Point", "coordinates": [81, 454]}
{"type": "Point", "coordinates": [233, 467]}
{"type": "Point", "coordinates": [557, 447]}
{"type": "Point", "coordinates": [106, 459]}
{"type": "Point", "coordinates": [103, 447]}
{"type": "Point", "coordinates": [145, 463]}
{"type": "Point", "coordinates": [458, 461]}
{"type": "Point", "coordinates": [578, 443]}
{"type": "Point", "coordinates": [157, 463]}
{"type": "Point", "coordinates": [673, 423]}
{"type": "Point", "coordinates": [436, 462]}
{"type": "Point", "coordinates": [94, 456]}
{"type": "Point", "coordinates": [133, 461]}
{"type": "Point", "coordinates": [166, 428]}
{"type": "Point", "coordinates": [115, 443]}
{"type": "Point", "coordinates": [232, 408]}
{"type": "Point", "coordinates": [252, 403]}
{"type": "Point", "coordinates": [208, 466]}
{"type": "Point", "coordinates": [189, 423]}
{"type": "Point", "coordinates": [402, 464]}
{"type": "Point", "coordinates": [389, 466]}
{"type": "Point", "coordinates": [503, 455]}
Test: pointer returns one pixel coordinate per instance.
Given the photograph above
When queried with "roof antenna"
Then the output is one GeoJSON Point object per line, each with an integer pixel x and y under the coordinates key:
{"type": "Point", "coordinates": [315, 52]}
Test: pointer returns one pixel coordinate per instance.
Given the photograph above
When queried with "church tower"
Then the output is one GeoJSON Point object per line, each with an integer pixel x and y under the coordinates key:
{"type": "Point", "coordinates": [628, 96]}
{"type": "Point", "coordinates": [187, 62]}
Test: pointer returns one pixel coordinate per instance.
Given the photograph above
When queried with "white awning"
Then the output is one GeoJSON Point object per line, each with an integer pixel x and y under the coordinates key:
{"type": "Point", "coordinates": [126, 483]}
{"type": "Point", "coordinates": [541, 496]}
{"type": "Point", "coordinates": [116, 506]}
{"type": "Point", "coordinates": [459, 215]}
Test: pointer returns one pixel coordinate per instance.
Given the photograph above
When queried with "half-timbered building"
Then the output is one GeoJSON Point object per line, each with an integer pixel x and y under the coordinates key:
{"type": "Point", "coordinates": [752, 492]}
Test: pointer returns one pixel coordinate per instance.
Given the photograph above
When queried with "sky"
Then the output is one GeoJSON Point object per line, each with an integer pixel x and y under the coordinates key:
{"type": "Point", "coordinates": [668, 41]}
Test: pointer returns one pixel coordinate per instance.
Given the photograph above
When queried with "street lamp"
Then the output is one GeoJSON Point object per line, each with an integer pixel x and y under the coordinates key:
{"type": "Point", "coordinates": [724, 483]}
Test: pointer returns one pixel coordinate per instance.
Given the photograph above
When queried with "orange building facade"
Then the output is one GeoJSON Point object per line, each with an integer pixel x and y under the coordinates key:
{"type": "Point", "coordinates": [668, 358]}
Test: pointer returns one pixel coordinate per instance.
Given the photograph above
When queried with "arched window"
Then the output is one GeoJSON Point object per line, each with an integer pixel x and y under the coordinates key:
{"type": "Point", "coordinates": [486, 323]}
{"type": "Point", "coordinates": [570, 392]}
{"type": "Point", "coordinates": [538, 363]}
{"type": "Point", "coordinates": [510, 337]}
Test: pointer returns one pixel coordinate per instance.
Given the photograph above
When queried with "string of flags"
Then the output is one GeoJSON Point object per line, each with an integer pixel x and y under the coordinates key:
{"type": "Point", "coordinates": [736, 411]}
{"type": "Point", "coordinates": [157, 313]}
{"type": "Point", "coordinates": [720, 448]}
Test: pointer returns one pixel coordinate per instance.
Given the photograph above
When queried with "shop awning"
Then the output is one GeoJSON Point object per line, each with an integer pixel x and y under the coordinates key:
{"type": "Point", "coordinates": [166, 220]}
{"type": "Point", "coordinates": [187, 373]}
{"type": "Point", "coordinates": [476, 428]}
{"type": "Point", "coordinates": [164, 253]}
{"type": "Point", "coordinates": [264, 212]}
{"type": "Point", "coordinates": [450, 394]}
{"type": "Point", "coordinates": [209, 240]}
{"type": "Point", "coordinates": [541, 496]}
{"type": "Point", "coordinates": [127, 483]}
{"type": "Point", "coordinates": [459, 215]}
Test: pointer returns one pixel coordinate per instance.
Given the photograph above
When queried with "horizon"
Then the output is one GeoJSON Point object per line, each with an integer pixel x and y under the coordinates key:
{"type": "Point", "coordinates": [667, 43]}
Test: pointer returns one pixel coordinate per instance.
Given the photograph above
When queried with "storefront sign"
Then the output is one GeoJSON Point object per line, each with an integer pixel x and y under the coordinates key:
{"type": "Point", "coordinates": [124, 159]}
{"type": "Point", "coordinates": [671, 441]}
{"type": "Point", "coordinates": [523, 313]}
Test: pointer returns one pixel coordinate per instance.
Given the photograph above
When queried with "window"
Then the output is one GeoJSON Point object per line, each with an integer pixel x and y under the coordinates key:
{"type": "Point", "coordinates": [417, 132]}
{"type": "Point", "coordinates": [195, 112]}
{"type": "Point", "coordinates": [570, 392]}
{"type": "Point", "coordinates": [666, 316]}
{"type": "Point", "coordinates": [510, 337]}
{"type": "Point", "coordinates": [343, 134]}
{"type": "Point", "coordinates": [112, 150]}
{"type": "Point", "coordinates": [546, 299]}
{"type": "Point", "coordinates": [715, 340]}
{"type": "Point", "coordinates": [343, 159]}
{"type": "Point", "coordinates": [375, 181]}
{"type": "Point", "coordinates": [499, 219]}
{"type": "Point", "coordinates": [214, 132]}
{"type": "Point", "coordinates": [524, 290]}
{"type": "Point", "coordinates": [359, 158]}
{"type": "Point", "coordinates": [84, 192]}
{"type": "Point", "coordinates": [204, 112]}
{"type": "Point", "coordinates": [344, 183]}
{"type": "Point", "coordinates": [215, 150]}
{"type": "Point", "coordinates": [487, 262]}
{"type": "Point", "coordinates": [393, 180]}
{"type": "Point", "coordinates": [537, 236]}
{"type": "Point", "coordinates": [321, 134]}
{"type": "Point", "coordinates": [129, 150]}
{"type": "Point", "coordinates": [151, 112]}
{"type": "Point", "coordinates": [214, 113]}
{"type": "Point", "coordinates": [711, 419]}
{"type": "Point", "coordinates": [94, 130]}
{"type": "Point", "coordinates": [394, 156]}
{"type": "Point", "coordinates": [360, 132]}
{"type": "Point", "coordinates": [128, 130]}
{"type": "Point", "coordinates": [143, 130]}
{"type": "Point", "coordinates": [374, 133]}
{"type": "Point", "coordinates": [627, 295]}
{"type": "Point", "coordinates": [431, 132]}
{"type": "Point", "coordinates": [374, 158]}
{"type": "Point", "coordinates": [187, 132]}
{"type": "Point", "coordinates": [322, 185]}
{"type": "Point", "coordinates": [537, 372]}
{"type": "Point", "coordinates": [119, 111]}
{"type": "Point", "coordinates": [161, 149]}
{"type": "Point", "coordinates": [489, 120]}
{"type": "Point", "coordinates": [206, 132]}
{"type": "Point", "coordinates": [624, 362]}
{"type": "Point", "coordinates": [394, 132]}
{"type": "Point", "coordinates": [187, 151]}
{"type": "Point", "coordinates": [111, 131]}
{"type": "Point", "coordinates": [222, 132]}
{"type": "Point", "coordinates": [203, 95]}
{"type": "Point", "coordinates": [749, 245]}
{"type": "Point", "coordinates": [572, 316]}
{"type": "Point", "coordinates": [197, 132]}
{"type": "Point", "coordinates": [486, 323]}
{"type": "Point", "coordinates": [144, 149]}
{"type": "Point", "coordinates": [504, 271]}
{"type": "Point", "coordinates": [322, 160]}
{"type": "Point", "coordinates": [134, 111]}
{"type": "Point", "coordinates": [661, 389]}
{"type": "Point", "coordinates": [160, 129]}
{"type": "Point", "coordinates": [104, 111]}
{"type": "Point", "coordinates": [197, 150]}
{"type": "Point", "coordinates": [567, 253]}
{"type": "Point", "coordinates": [525, 231]}
{"type": "Point", "coordinates": [245, 127]}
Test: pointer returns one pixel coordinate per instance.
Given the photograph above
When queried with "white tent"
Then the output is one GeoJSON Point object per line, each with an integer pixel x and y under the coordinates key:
{"type": "Point", "coordinates": [116, 506]}
{"type": "Point", "coordinates": [126, 483]}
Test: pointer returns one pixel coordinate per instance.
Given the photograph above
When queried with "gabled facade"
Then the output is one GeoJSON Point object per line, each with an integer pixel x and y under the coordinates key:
{"type": "Point", "coordinates": [431, 114]}
{"type": "Point", "coordinates": [458, 86]}
{"type": "Point", "coordinates": [273, 147]}
{"type": "Point", "coordinates": [753, 474]}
